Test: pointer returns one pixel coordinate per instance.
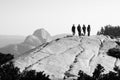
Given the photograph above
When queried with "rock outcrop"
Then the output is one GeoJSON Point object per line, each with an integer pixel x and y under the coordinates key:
{"type": "Point", "coordinates": [42, 35]}
{"type": "Point", "coordinates": [70, 54]}
{"type": "Point", "coordinates": [39, 37]}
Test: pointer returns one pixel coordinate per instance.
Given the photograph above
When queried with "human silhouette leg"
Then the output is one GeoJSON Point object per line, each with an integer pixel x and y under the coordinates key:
{"type": "Point", "coordinates": [73, 33]}
{"type": "Point", "coordinates": [88, 33]}
{"type": "Point", "coordinates": [83, 32]}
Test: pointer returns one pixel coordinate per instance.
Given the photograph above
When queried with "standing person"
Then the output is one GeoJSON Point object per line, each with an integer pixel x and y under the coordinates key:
{"type": "Point", "coordinates": [88, 30]}
{"type": "Point", "coordinates": [73, 29]}
{"type": "Point", "coordinates": [79, 30]}
{"type": "Point", "coordinates": [84, 29]}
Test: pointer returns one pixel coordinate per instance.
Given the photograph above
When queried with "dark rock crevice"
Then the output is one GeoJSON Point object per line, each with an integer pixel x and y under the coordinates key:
{"type": "Point", "coordinates": [67, 73]}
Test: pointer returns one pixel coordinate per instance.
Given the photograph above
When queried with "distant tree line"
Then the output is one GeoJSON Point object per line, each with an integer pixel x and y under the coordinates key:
{"type": "Point", "coordinates": [112, 31]}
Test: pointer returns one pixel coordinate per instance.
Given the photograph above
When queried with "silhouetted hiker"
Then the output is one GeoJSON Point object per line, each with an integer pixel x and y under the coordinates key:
{"type": "Point", "coordinates": [79, 30]}
{"type": "Point", "coordinates": [73, 29]}
{"type": "Point", "coordinates": [88, 30]}
{"type": "Point", "coordinates": [84, 29]}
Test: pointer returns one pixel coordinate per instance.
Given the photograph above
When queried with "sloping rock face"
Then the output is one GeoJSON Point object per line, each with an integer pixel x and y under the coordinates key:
{"type": "Point", "coordinates": [69, 55]}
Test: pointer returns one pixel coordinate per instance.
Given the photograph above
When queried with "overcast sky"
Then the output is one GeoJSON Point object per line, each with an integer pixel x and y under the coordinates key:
{"type": "Point", "coordinates": [22, 17]}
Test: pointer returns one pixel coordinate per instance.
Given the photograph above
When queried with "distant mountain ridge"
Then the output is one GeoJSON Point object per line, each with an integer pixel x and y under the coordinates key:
{"type": "Point", "coordinates": [39, 37]}
{"type": "Point", "coordinates": [6, 40]}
